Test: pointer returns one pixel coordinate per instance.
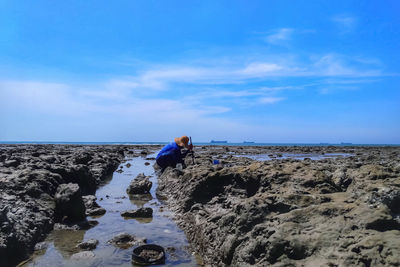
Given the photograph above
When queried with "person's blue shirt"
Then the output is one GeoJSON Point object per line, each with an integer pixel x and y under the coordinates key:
{"type": "Point", "coordinates": [170, 154]}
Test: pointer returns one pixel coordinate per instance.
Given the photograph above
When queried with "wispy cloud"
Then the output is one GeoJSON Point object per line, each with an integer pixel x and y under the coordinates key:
{"type": "Point", "coordinates": [64, 99]}
{"type": "Point", "coordinates": [270, 100]}
{"type": "Point", "coordinates": [345, 23]}
{"type": "Point", "coordinates": [257, 69]}
{"type": "Point", "coordinates": [160, 78]}
{"type": "Point", "coordinates": [279, 36]}
{"type": "Point", "coordinates": [67, 107]}
{"type": "Point", "coordinates": [332, 65]}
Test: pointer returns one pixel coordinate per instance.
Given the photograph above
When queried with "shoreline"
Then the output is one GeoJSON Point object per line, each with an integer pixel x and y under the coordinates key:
{"type": "Point", "coordinates": [229, 144]}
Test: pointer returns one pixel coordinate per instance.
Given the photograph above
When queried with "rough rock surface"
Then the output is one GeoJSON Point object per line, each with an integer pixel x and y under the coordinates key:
{"type": "Point", "coordinates": [125, 240]}
{"type": "Point", "coordinates": [69, 203]}
{"type": "Point", "coordinates": [140, 185]}
{"type": "Point", "coordinates": [285, 212]}
{"type": "Point", "coordinates": [139, 213]}
{"type": "Point", "coordinates": [92, 208]}
{"type": "Point", "coordinates": [89, 244]}
{"type": "Point", "coordinates": [29, 178]}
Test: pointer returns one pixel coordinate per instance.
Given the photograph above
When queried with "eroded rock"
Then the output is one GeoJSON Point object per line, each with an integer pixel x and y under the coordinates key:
{"type": "Point", "coordinates": [288, 212]}
{"type": "Point", "coordinates": [139, 213]}
{"type": "Point", "coordinates": [29, 178]}
{"type": "Point", "coordinates": [140, 185]}
{"type": "Point", "coordinates": [89, 244]}
{"type": "Point", "coordinates": [125, 240]}
{"type": "Point", "coordinates": [69, 202]}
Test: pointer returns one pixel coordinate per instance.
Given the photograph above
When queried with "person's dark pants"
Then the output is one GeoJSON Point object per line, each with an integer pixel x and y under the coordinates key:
{"type": "Point", "coordinates": [165, 161]}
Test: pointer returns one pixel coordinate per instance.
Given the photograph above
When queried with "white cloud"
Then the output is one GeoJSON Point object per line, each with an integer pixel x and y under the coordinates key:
{"type": "Point", "coordinates": [280, 36]}
{"type": "Point", "coordinates": [161, 78]}
{"type": "Point", "coordinates": [161, 96]}
{"type": "Point", "coordinates": [338, 66]}
{"type": "Point", "coordinates": [345, 23]}
{"type": "Point", "coordinates": [63, 99]}
{"type": "Point", "coordinates": [270, 100]}
{"type": "Point", "coordinates": [40, 96]}
{"type": "Point", "coordinates": [69, 113]}
{"type": "Point", "coordinates": [259, 69]}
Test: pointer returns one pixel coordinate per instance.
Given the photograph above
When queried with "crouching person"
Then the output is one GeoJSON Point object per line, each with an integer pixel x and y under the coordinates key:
{"type": "Point", "coordinates": [171, 154]}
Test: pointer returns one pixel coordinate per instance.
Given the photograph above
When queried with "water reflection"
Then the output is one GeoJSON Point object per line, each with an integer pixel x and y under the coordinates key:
{"type": "Point", "coordinates": [140, 220]}
{"type": "Point", "coordinates": [140, 200]}
{"type": "Point", "coordinates": [65, 241]}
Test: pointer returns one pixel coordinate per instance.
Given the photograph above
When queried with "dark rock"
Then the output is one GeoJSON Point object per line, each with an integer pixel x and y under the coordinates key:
{"type": "Point", "coordinates": [89, 244]}
{"type": "Point", "coordinates": [272, 213]}
{"type": "Point", "coordinates": [140, 185]}
{"type": "Point", "coordinates": [83, 158]}
{"type": "Point", "coordinates": [139, 213]}
{"type": "Point", "coordinates": [82, 225]}
{"type": "Point", "coordinates": [69, 202]}
{"type": "Point", "coordinates": [41, 246]}
{"type": "Point", "coordinates": [96, 212]}
{"type": "Point", "coordinates": [125, 240]}
{"type": "Point", "coordinates": [29, 178]}
{"type": "Point", "coordinates": [92, 208]}
{"type": "Point", "coordinates": [11, 163]}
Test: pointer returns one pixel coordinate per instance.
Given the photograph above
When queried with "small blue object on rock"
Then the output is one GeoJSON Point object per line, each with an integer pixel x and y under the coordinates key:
{"type": "Point", "coordinates": [215, 161]}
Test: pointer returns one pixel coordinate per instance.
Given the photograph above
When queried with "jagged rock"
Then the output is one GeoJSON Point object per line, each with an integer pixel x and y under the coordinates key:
{"type": "Point", "coordinates": [89, 244]}
{"type": "Point", "coordinates": [125, 240]}
{"type": "Point", "coordinates": [11, 163]}
{"type": "Point", "coordinates": [139, 213]}
{"type": "Point", "coordinates": [92, 208]}
{"type": "Point", "coordinates": [69, 202]}
{"type": "Point", "coordinates": [41, 246]}
{"type": "Point", "coordinates": [82, 225]}
{"type": "Point", "coordinates": [286, 212]}
{"type": "Point", "coordinates": [140, 185]}
{"type": "Point", "coordinates": [96, 212]}
{"type": "Point", "coordinates": [29, 178]}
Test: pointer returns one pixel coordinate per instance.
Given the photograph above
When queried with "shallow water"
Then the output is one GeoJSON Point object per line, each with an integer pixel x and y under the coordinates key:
{"type": "Point", "coordinates": [263, 157]}
{"type": "Point", "coordinates": [112, 196]}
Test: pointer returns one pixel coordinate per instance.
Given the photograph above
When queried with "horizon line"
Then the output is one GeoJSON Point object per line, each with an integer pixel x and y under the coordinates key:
{"type": "Point", "coordinates": [199, 142]}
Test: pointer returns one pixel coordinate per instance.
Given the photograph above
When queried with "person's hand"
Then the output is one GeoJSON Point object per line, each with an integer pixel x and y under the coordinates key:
{"type": "Point", "coordinates": [190, 147]}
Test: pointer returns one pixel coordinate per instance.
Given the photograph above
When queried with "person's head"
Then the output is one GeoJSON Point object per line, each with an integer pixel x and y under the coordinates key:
{"type": "Point", "coordinates": [182, 141]}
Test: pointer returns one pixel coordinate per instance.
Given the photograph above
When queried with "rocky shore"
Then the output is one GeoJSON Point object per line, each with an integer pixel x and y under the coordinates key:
{"type": "Point", "coordinates": [340, 210]}
{"type": "Point", "coordinates": [297, 206]}
{"type": "Point", "coordinates": [41, 185]}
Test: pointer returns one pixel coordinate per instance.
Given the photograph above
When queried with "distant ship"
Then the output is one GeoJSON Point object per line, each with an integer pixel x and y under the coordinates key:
{"type": "Point", "coordinates": [346, 143]}
{"type": "Point", "coordinates": [248, 142]}
{"type": "Point", "coordinates": [218, 142]}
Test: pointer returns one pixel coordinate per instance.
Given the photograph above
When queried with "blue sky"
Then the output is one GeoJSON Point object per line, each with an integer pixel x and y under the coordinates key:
{"type": "Point", "coordinates": [263, 71]}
